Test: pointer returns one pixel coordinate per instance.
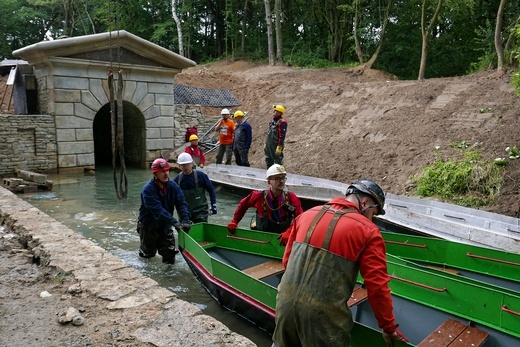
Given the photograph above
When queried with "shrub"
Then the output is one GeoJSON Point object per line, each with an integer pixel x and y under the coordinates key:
{"type": "Point", "coordinates": [468, 181]}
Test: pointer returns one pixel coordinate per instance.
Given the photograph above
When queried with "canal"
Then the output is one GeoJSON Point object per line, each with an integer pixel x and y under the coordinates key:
{"type": "Point", "coordinates": [87, 203]}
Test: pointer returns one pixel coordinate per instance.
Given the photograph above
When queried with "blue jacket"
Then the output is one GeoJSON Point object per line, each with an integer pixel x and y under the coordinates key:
{"type": "Point", "coordinates": [188, 182]}
{"type": "Point", "coordinates": [243, 136]}
{"type": "Point", "coordinates": [156, 210]}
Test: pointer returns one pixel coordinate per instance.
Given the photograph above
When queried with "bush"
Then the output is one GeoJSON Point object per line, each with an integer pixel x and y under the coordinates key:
{"type": "Point", "coordinates": [468, 181]}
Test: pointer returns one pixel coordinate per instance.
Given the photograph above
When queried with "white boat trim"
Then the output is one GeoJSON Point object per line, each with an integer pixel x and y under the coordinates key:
{"type": "Point", "coordinates": [426, 216]}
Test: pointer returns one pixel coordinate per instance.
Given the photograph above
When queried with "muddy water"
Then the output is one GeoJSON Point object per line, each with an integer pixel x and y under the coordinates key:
{"type": "Point", "coordinates": [87, 202]}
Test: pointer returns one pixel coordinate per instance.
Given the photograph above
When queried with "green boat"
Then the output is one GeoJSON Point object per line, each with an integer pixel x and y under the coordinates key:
{"type": "Point", "coordinates": [242, 272]}
{"type": "Point", "coordinates": [485, 264]}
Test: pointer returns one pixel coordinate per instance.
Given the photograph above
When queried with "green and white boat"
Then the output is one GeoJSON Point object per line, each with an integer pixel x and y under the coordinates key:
{"type": "Point", "coordinates": [434, 307]}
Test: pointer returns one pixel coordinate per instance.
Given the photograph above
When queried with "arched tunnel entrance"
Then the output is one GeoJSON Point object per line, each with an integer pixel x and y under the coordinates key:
{"type": "Point", "coordinates": [134, 136]}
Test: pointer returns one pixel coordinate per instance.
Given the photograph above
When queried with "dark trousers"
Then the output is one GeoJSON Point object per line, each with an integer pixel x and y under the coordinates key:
{"type": "Point", "coordinates": [228, 149]}
{"type": "Point", "coordinates": [241, 157]}
{"type": "Point", "coordinates": [156, 241]}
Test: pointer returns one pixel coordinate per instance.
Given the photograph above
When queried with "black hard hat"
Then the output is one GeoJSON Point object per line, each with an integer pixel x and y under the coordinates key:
{"type": "Point", "coordinates": [370, 188]}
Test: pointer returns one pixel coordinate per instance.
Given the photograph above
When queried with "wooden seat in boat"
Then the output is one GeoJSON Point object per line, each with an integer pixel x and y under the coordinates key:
{"type": "Point", "coordinates": [263, 270]}
{"type": "Point", "coordinates": [453, 333]}
{"type": "Point", "coordinates": [358, 296]}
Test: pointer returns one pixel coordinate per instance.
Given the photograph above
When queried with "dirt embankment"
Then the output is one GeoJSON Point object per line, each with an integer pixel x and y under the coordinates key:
{"type": "Point", "coordinates": [345, 125]}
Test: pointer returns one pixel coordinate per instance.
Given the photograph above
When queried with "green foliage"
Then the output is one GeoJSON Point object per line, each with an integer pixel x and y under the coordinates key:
{"type": "Point", "coordinates": [310, 60]}
{"type": "Point", "coordinates": [516, 74]}
{"type": "Point", "coordinates": [469, 180]}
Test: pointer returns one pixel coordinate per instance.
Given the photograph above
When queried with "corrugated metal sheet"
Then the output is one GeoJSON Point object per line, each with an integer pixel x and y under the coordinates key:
{"type": "Point", "coordinates": [204, 97]}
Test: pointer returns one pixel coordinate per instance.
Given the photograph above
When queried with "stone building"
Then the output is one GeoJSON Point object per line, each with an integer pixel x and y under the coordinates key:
{"type": "Point", "coordinates": [72, 88]}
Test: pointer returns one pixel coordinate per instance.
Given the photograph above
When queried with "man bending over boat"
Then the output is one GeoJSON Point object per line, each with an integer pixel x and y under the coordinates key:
{"type": "Point", "coordinates": [159, 197]}
{"type": "Point", "coordinates": [328, 246]}
{"type": "Point", "coordinates": [194, 185]}
{"type": "Point", "coordinates": [275, 208]}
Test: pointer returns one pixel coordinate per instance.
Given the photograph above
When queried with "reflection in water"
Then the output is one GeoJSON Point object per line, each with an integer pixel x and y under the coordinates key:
{"type": "Point", "coordinates": [87, 203]}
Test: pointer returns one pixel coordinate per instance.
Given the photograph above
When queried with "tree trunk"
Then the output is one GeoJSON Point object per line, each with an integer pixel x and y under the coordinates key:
{"type": "Point", "coordinates": [179, 28]}
{"type": "Point", "coordinates": [374, 57]}
{"type": "Point", "coordinates": [498, 35]}
{"type": "Point", "coordinates": [359, 53]}
{"type": "Point", "coordinates": [278, 29]}
{"type": "Point", "coordinates": [244, 28]}
{"type": "Point", "coordinates": [426, 35]}
{"type": "Point", "coordinates": [270, 42]}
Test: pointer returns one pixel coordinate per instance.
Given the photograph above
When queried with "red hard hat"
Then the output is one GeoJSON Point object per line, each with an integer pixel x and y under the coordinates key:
{"type": "Point", "coordinates": [160, 164]}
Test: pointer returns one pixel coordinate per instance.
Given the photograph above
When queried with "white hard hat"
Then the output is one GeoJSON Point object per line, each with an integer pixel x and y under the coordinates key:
{"type": "Point", "coordinates": [224, 111]}
{"type": "Point", "coordinates": [275, 169]}
{"type": "Point", "coordinates": [184, 158]}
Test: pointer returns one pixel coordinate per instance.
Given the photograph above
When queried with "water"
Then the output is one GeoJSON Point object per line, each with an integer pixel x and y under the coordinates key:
{"type": "Point", "coordinates": [87, 203]}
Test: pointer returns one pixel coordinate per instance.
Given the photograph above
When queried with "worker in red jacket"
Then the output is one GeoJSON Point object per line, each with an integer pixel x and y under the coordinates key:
{"type": "Point", "coordinates": [275, 208]}
{"type": "Point", "coordinates": [328, 246]}
{"type": "Point", "coordinates": [193, 149]}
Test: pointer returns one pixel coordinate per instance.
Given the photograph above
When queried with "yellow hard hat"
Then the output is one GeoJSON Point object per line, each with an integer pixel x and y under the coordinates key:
{"type": "Point", "coordinates": [194, 137]}
{"type": "Point", "coordinates": [238, 114]}
{"type": "Point", "coordinates": [279, 108]}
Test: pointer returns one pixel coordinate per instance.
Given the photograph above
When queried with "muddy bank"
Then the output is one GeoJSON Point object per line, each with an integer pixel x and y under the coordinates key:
{"type": "Point", "coordinates": [120, 306]}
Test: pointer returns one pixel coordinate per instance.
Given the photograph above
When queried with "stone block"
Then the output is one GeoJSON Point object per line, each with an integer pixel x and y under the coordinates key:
{"type": "Point", "coordinates": [147, 102]}
{"type": "Point", "coordinates": [160, 88]}
{"type": "Point", "coordinates": [72, 122]}
{"type": "Point", "coordinates": [164, 99]}
{"type": "Point", "coordinates": [67, 95]}
{"type": "Point", "coordinates": [87, 159]}
{"type": "Point", "coordinates": [129, 89]}
{"type": "Point", "coordinates": [65, 161]}
{"type": "Point", "coordinates": [153, 133]}
{"type": "Point", "coordinates": [140, 92]}
{"type": "Point", "coordinates": [75, 147]}
{"type": "Point", "coordinates": [73, 83]}
{"type": "Point", "coordinates": [84, 135]}
{"type": "Point", "coordinates": [166, 133]}
{"type": "Point", "coordinates": [31, 176]}
{"type": "Point", "coordinates": [83, 111]}
{"type": "Point", "coordinates": [166, 111]}
{"type": "Point", "coordinates": [63, 108]}
{"type": "Point", "coordinates": [65, 135]}
{"type": "Point", "coordinates": [90, 101]}
{"type": "Point", "coordinates": [160, 144]}
{"type": "Point", "coordinates": [12, 182]}
{"type": "Point", "coordinates": [28, 188]}
{"type": "Point", "coordinates": [98, 91]}
{"type": "Point", "coordinates": [160, 122]}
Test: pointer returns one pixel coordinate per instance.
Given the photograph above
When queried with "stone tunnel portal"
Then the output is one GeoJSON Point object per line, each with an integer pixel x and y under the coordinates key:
{"type": "Point", "coordinates": [134, 136]}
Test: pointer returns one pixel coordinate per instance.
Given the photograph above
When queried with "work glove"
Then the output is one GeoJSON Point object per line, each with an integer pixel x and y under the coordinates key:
{"type": "Point", "coordinates": [186, 226]}
{"type": "Point", "coordinates": [284, 238]}
{"type": "Point", "coordinates": [214, 209]}
{"type": "Point", "coordinates": [279, 150]}
{"type": "Point", "coordinates": [395, 336]}
{"type": "Point", "coordinates": [201, 166]}
{"type": "Point", "coordinates": [232, 227]}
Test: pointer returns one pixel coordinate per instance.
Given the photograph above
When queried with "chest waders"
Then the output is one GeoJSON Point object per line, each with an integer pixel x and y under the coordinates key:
{"type": "Point", "coordinates": [311, 308]}
{"type": "Point", "coordinates": [264, 223]}
{"type": "Point", "coordinates": [196, 200]}
{"type": "Point", "coordinates": [196, 159]}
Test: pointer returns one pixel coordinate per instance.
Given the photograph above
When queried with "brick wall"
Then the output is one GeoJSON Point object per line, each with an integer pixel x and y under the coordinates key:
{"type": "Point", "coordinates": [27, 142]}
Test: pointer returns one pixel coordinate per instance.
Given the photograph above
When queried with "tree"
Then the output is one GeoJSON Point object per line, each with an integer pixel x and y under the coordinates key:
{"type": "Point", "coordinates": [425, 33]}
{"type": "Point", "coordinates": [270, 43]}
{"type": "Point", "coordinates": [179, 28]}
{"type": "Point", "coordinates": [498, 35]}
{"type": "Point", "coordinates": [278, 29]}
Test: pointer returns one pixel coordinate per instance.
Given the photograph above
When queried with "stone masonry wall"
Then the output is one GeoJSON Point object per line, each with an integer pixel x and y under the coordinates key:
{"type": "Point", "coordinates": [27, 142]}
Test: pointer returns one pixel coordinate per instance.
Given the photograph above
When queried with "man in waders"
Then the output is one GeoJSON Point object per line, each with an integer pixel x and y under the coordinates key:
{"type": "Point", "coordinates": [275, 208]}
{"type": "Point", "coordinates": [274, 143]}
{"type": "Point", "coordinates": [159, 197]}
{"type": "Point", "coordinates": [194, 185]}
{"type": "Point", "coordinates": [328, 246]}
